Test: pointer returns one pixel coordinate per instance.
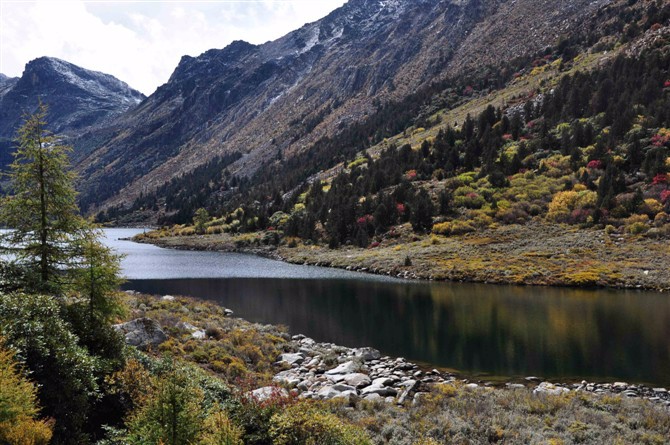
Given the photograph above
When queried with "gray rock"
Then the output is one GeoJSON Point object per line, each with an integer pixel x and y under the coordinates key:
{"type": "Point", "coordinates": [304, 385]}
{"type": "Point", "coordinates": [419, 398]}
{"type": "Point", "coordinates": [345, 368]}
{"type": "Point", "coordinates": [382, 381]}
{"type": "Point", "coordinates": [142, 332]}
{"type": "Point", "coordinates": [349, 396]}
{"type": "Point", "coordinates": [373, 397]}
{"type": "Point", "coordinates": [357, 380]}
{"type": "Point", "coordinates": [292, 358]}
{"type": "Point", "coordinates": [367, 354]}
{"type": "Point", "coordinates": [327, 393]}
{"type": "Point", "coordinates": [335, 378]}
{"type": "Point", "coordinates": [167, 298]}
{"type": "Point", "coordinates": [195, 331]}
{"type": "Point", "coordinates": [287, 378]}
{"type": "Point", "coordinates": [265, 393]}
{"type": "Point", "coordinates": [228, 313]}
{"type": "Point", "coordinates": [342, 388]}
{"type": "Point", "coordinates": [549, 388]}
{"type": "Point", "coordinates": [383, 391]}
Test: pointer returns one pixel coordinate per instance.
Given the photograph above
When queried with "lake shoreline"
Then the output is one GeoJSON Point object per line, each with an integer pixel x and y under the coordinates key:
{"type": "Point", "coordinates": [537, 254]}
{"type": "Point", "coordinates": [327, 371]}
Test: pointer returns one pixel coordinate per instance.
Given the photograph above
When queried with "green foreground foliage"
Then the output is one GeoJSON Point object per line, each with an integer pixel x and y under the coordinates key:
{"type": "Point", "coordinates": [58, 289]}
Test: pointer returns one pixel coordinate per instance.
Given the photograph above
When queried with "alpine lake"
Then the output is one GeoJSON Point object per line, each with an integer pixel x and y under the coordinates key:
{"type": "Point", "coordinates": [484, 332]}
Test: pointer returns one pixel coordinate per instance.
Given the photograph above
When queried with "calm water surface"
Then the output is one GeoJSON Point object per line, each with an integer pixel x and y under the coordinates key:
{"type": "Point", "coordinates": [484, 330]}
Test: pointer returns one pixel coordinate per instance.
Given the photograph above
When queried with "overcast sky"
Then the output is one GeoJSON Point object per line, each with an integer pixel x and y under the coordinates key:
{"type": "Point", "coordinates": [141, 42]}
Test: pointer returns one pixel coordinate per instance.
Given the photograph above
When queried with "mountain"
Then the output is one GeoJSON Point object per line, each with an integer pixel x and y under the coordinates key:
{"type": "Point", "coordinates": [276, 100]}
{"type": "Point", "coordinates": [78, 99]}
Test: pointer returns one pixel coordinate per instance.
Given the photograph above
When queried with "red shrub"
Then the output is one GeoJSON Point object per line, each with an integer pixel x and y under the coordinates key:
{"type": "Point", "coordinates": [373, 245]}
{"type": "Point", "coordinates": [666, 84]}
{"type": "Point", "coordinates": [595, 164]}
{"type": "Point", "coordinates": [507, 137]}
{"type": "Point", "coordinates": [365, 220]}
{"type": "Point", "coordinates": [665, 196]}
{"type": "Point", "coordinates": [659, 140]}
{"type": "Point", "coordinates": [400, 208]}
{"type": "Point", "coordinates": [660, 178]}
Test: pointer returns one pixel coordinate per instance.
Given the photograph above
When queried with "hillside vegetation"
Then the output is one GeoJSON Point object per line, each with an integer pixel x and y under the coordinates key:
{"type": "Point", "coordinates": [578, 141]}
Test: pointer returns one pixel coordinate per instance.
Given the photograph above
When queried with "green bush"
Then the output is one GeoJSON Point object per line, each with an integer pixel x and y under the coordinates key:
{"type": "Point", "coordinates": [65, 372]}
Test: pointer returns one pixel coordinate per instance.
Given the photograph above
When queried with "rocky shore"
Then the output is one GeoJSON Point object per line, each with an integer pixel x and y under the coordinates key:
{"type": "Point", "coordinates": [325, 371]}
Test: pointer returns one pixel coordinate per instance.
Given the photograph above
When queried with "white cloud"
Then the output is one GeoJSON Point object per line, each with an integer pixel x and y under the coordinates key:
{"type": "Point", "coordinates": [141, 42]}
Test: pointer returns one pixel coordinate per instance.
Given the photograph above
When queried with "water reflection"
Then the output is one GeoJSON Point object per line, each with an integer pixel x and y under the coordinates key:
{"type": "Point", "coordinates": [494, 330]}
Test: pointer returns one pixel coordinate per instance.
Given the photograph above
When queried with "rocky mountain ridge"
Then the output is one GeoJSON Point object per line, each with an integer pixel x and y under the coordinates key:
{"type": "Point", "coordinates": [274, 101]}
{"type": "Point", "coordinates": [78, 99]}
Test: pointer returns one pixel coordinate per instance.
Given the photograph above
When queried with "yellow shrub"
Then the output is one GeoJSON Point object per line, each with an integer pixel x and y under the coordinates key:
{"type": "Point", "coordinates": [214, 230]}
{"type": "Point", "coordinates": [651, 207]}
{"type": "Point", "coordinates": [443, 228]}
{"type": "Point", "coordinates": [219, 429]}
{"type": "Point", "coordinates": [18, 406]}
{"type": "Point", "coordinates": [562, 204]}
{"type": "Point", "coordinates": [303, 424]}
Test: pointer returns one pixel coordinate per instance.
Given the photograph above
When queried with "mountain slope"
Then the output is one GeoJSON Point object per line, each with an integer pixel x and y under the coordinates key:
{"type": "Point", "coordinates": [277, 99]}
{"type": "Point", "coordinates": [77, 98]}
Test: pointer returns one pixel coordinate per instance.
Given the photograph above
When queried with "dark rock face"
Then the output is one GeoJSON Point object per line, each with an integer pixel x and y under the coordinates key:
{"type": "Point", "coordinates": [284, 95]}
{"type": "Point", "coordinates": [78, 99]}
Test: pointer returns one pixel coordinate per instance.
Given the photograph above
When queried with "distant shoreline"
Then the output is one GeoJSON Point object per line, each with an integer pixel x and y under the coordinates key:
{"type": "Point", "coordinates": [538, 254]}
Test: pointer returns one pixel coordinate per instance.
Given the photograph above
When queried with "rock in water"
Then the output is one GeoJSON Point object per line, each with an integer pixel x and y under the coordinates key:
{"type": "Point", "coordinates": [142, 332]}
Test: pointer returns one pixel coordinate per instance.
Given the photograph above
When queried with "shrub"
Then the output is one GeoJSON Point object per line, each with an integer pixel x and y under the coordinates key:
{"type": "Point", "coordinates": [220, 430]}
{"type": "Point", "coordinates": [595, 164]}
{"type": "Point", "coordinates": [304, 424]}
{"type": "Point", "coordinates": [443, 228]}
{"type": "Point", "coordinates": [471, 200]}
{"type": "Point", "coordinates": [18, 405]}
{"type": "Point", "coordinates": [455, 227]}
{"type": "Point", "coordinates": [33, 326]}
{"type": "Point", "coordinates": [637, 224]}
{"type": "Point", "coordinates": [637, 228]}
{"type": "Point", "coordinates": [171, 414]}
{"type": "Point", "coordinates": [660, 178]}
{"type": "Point", "coordinates": [650, 207]}
{"type": "Point", "coordinates": [571, 206]}
{"type": "Point", "coordinates": [214, 230]}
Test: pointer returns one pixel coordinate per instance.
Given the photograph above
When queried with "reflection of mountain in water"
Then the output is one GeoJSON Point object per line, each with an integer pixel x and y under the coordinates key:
{"type": "Point", "coordinates": [497, 330]}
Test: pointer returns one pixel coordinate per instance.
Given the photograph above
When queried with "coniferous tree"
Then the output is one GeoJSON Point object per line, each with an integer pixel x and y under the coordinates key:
{"type": "Point", "coordinates": [42, 208]}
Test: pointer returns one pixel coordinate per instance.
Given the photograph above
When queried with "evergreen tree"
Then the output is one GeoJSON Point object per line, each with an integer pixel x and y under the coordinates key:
{"type": "Point", "coordinates": [200, 218]}
{"type": "Point", "coordinates": [41, 208]}
{"type": "Point", "coordinates": [422, 211]}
